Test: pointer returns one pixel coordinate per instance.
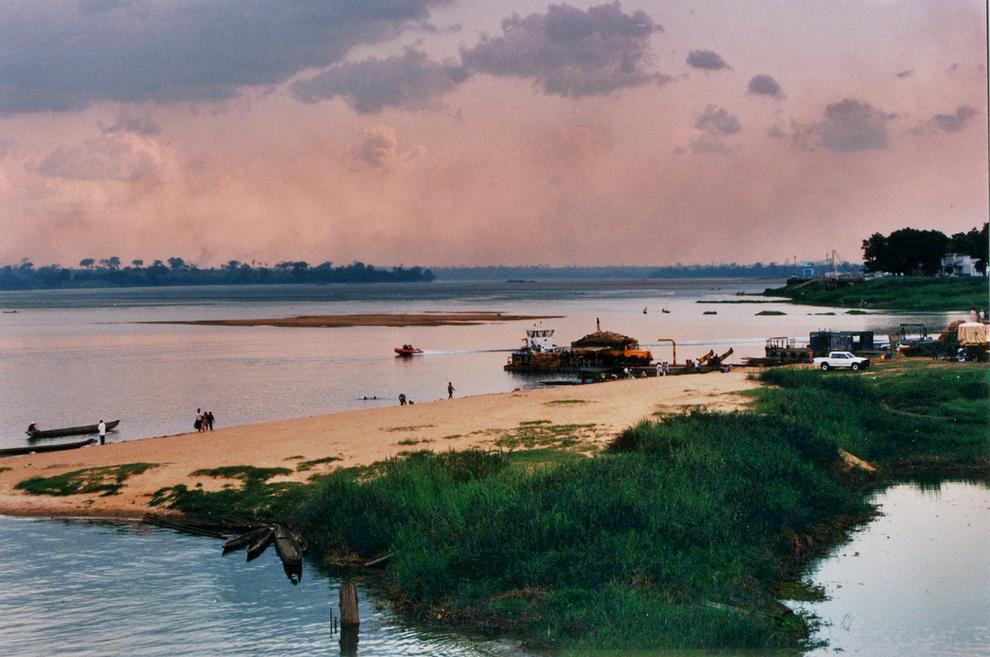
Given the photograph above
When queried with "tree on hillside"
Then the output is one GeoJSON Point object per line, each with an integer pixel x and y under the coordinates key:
{"type": "Point", "coordinates": [974, 243]}
{"type": "Point", "coordinates": [905, 251]}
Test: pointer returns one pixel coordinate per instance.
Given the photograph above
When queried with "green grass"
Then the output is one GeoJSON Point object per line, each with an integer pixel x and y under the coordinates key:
{"type": "Point", "coordinates": [894, 293]}
{"type": "Point", "coordinates": [256, 498]}
{"type": "Point", "coordinates": [685, 533]}
{"type": "Point", "coordinates": [675, 537]}
{"type": "Point", "coordinates": [4, 468]}
{"type": "Point", "coordinates": [104, 480]}
{"type": "Point", "coordinates": [303, 466]}
{"type": "Point", "coordinates": [566, 402]}
{"type": "Point", "coordinates": [910, 417]}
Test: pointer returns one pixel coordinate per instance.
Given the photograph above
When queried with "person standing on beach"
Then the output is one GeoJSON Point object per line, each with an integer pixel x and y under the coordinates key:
{"type": "Point", "coordinates": [402, 399]}
{"type": "Point", "coordinates": [450, 390]}
{"type": "Point", "coordinates": [102, 428]}
{"type": "Point", "coordinates": [198, 424]}
{"type": "Point", "coordinates": [209, 420]}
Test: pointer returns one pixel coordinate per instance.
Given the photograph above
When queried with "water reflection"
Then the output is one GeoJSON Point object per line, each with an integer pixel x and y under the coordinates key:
{"type": "Point", "coordinates": [916, 581]}
{"type": "Point", "coordinates": [92, 590]}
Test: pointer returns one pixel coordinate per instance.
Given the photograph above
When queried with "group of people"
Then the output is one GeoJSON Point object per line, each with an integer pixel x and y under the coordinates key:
{"type": "Point", "coordinates": [404, 401]}
{"type": "Point", "coordinates": [204, 421]}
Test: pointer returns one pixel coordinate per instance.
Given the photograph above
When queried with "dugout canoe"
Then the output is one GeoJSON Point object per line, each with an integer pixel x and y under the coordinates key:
{"type": "Point", "coordinates": [37, 449]}
{"type": "Point", "coordinates": [34, 433]}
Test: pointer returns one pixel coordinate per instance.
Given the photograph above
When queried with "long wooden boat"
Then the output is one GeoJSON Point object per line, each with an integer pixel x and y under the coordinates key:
{"type": "Point", "coordinates": [288, 548]}
{"type": "Point", "coordinates": [35, 433]}
{"type": "Point", "coordinates": [242, 541]}
{"type": "Point", "coordinates": [33, 449]}
{"type": "Point", "coordinates": [258, 546]}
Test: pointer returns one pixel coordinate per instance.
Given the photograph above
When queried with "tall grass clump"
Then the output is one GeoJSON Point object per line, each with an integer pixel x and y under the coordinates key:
{"type": "Point", "coordinates": [909, 417]}
{"type": "Point", "coordinates": [674, 537]}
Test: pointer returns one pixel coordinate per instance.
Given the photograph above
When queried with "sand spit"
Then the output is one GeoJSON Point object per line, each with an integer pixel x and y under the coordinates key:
{"type": "Point", "coordinates": [588, 416]}
{"type": "Point", "coordinates": [368, 319]}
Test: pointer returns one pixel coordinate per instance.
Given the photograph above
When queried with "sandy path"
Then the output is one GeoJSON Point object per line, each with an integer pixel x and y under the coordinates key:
{"type": "Point", "coordinates": [363, 437]}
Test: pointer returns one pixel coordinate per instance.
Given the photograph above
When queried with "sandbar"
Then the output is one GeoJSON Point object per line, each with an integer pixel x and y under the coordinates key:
{"type": "Point", "coordinates": [368, 319]}
{"type": "Point", "coordinates": [590, 415]}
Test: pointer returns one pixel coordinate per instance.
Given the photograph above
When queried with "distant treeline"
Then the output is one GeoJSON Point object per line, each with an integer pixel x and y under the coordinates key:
{"type": "Point", "coordinates": [733, 270]}
{"type": "Point", "coordinates": [175, 271]}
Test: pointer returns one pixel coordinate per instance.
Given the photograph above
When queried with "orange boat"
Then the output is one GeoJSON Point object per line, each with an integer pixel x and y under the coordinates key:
{"type": "Point", "coordinates": [408, 350]}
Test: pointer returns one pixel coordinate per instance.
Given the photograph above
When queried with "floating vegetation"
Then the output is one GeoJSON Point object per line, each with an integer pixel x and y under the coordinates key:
{"type": "Point", "coordinates": [106, 480]}
{"type": "Point", "coordinates": [767, 313]}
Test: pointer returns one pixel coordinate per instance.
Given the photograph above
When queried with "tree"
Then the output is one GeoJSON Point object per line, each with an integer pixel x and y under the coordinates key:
{"type": "Point", "coordinates": [87, 263]}
{"type": "Point", "coordinates": [176, 263]}
{"type": "Point", "coordinates": [974, 243]}
{"type": "Point", "coordinates": [137, 262]}
{"type": "Point", "coordinates": [906, 251]}
{"type": "Point", "coordinates": [114, 262]}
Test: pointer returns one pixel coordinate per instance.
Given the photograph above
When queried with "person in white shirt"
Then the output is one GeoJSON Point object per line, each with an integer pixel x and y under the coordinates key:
{"type": "Point", "coordinates": [102, 428]}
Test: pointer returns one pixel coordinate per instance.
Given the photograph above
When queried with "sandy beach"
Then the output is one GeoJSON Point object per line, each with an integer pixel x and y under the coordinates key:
{"type": "Point", "coordinates": [588, 415]}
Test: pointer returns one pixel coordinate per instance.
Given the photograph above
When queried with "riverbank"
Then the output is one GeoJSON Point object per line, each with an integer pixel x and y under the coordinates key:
{"type": "Point", "coordinates": [581, 416]}
{"type": "Point", "coordinates": [681, 532]}
{"type": "Point", "coordinates": [918, 294]}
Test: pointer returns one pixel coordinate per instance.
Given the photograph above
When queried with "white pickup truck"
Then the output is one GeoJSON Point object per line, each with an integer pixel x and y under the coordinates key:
{"type": "Point", "coordinates": [838, 359]}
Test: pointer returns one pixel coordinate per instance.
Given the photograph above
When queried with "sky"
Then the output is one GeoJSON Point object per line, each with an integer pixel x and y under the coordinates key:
{"type": "Point", "coordinates": [456, 132]}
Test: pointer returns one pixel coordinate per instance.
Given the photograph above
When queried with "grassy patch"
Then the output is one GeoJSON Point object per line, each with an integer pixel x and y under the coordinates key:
{"type": "Point", "coordinates": [409, 441]}
{"type": "Point", "coordinates": [256, 498]}
{"type": "Point", "coordinates": [566, 402]}
{"type": "Point", "coordinates": [303, 466]}
{"type": "Point", "coordinates": [104, 480]}
{"type": "Point", "coordinates": [856, 312]}
{"type": "Point", "coordinates": [544, 433]}
{"type": "Point", "coordinates": [4, 468]}
{"type": "Point", "coordinates": [412, 427]}
{"type": "Point", "coordinates": [296, 457]}
{"type": "Point", "coordinates": [895, 293]}
{"type": "Point", "coordinates": [769, 313]}
{"type": "Point", "coordinates": [917, 416]}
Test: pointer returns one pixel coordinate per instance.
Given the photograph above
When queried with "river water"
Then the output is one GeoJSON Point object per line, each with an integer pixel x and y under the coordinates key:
{"type": "Point", "coordinates": [71, 357]}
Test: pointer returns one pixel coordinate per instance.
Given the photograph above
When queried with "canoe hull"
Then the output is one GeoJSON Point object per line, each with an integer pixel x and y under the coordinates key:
{"type": "Point", "coordinates": [37, 434]}
{"type": "Point", "coordinates": [36, 449]}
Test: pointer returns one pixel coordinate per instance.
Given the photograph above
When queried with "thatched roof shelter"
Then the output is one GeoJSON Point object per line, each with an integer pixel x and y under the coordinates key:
{"type": "Point", "coordinates": [605, 340]}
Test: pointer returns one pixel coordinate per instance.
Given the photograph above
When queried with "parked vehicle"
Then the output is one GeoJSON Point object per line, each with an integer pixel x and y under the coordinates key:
{"type": "Point", "coordinates": [841, 359]}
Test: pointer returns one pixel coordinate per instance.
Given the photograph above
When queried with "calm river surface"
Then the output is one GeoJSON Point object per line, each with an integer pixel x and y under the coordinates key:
{"type": "Point", "coordinates": [72, 357]}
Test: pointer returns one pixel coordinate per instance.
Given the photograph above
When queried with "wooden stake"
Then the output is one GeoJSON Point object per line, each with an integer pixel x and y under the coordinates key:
{"type": "Point", "coordinates": [349, 616]}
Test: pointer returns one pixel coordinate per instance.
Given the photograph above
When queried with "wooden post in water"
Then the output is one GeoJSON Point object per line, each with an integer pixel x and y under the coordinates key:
{"type": "Point", "coordinates": [349, 616]}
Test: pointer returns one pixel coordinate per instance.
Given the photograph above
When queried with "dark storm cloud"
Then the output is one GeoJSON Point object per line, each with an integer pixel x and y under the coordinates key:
{"type": "Point", "coordinates": [570, 52]}
{"type": "Point", "coordinates": [64, 56]}
{"type": "Point", "coordinates": [765, 85]}
{"type": "Point", "coordinates": [410, 81]}
{"type": "Point", "coordinates": [954, 122]}
{"type": "Point", "coordinates": [706, 60]}
{"type": "Point", "coordinates": [716, 121]}
{"type": "Point", "coordinates": [852, 125]}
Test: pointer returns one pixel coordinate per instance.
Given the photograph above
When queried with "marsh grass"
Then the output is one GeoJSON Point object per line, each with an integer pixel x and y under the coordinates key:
{"type": "Point", "coordinates": [104, 480]}
{"type": "Point", "coordinates": [895, 293]}
{"type": "Point", "coordinates": [256, 498]}
{"type": "Point", "coordinates": [304, 466]}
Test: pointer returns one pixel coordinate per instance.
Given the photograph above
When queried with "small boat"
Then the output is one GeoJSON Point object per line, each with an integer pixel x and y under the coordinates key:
{"type": "Point", "coordinates": [244, 540]}
{"type": "Point", "coordinates": [36, 449]}
{"type": "Point", "coordinates": [34, 433]}
{"type": "Point", "coordinates": [644, 311]}
{"type": "Point", "coordinates": [408, 350]}
{"type": "Point", "coordinates": [260, 544]}
{"type": "Point", "coordinates": [290, 552]}
{"type": "Point", "coordinates": [665, 311]}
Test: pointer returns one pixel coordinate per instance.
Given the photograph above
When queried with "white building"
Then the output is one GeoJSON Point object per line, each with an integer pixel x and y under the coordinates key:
{"type": "Point", "coordinates": [954, 264]}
